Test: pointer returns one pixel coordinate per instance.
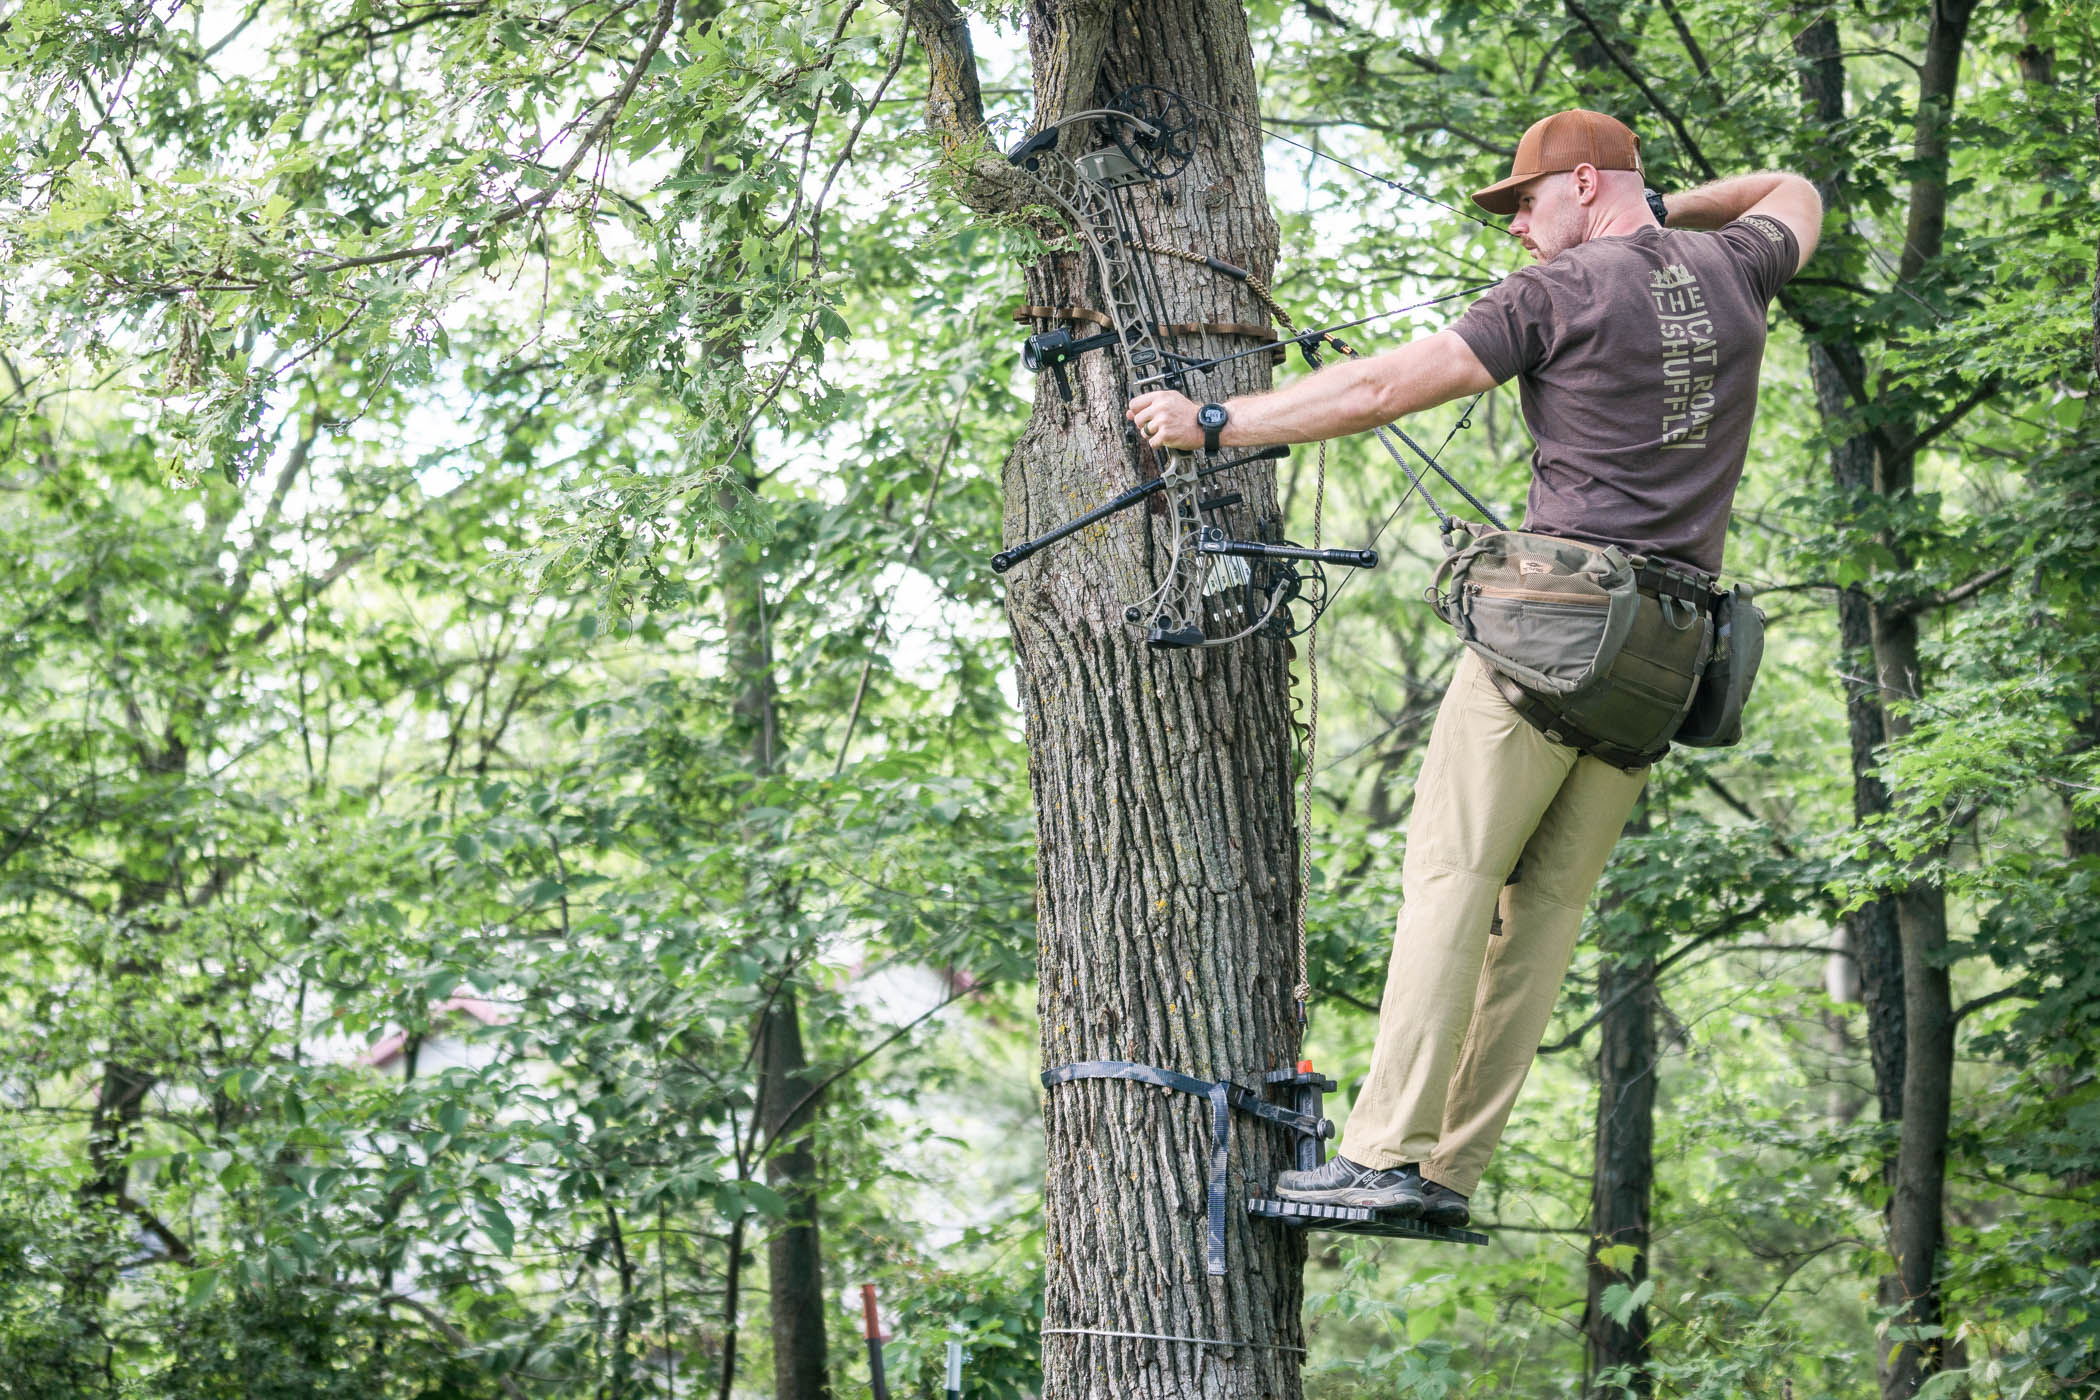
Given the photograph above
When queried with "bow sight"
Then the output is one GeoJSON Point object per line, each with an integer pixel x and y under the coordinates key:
{"type": "Point", "coordinates": [1224, 579]}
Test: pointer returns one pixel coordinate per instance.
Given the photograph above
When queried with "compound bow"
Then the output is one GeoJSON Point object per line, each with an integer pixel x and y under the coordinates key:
{"type": "Point", "coordinates": [1227, 577]}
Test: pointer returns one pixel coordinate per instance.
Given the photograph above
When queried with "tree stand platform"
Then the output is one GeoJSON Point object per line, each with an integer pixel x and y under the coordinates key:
{"type": "Point", "coordinates": [1304, 1089]}
{"type": "Point", "coordinates": [1357, 1220]}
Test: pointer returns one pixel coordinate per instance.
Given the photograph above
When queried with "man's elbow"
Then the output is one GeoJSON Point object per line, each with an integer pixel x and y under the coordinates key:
{"type": "Point", "coordinates": [1807, 196]}
{"type": "Point", "coordinates": [1799, 205]}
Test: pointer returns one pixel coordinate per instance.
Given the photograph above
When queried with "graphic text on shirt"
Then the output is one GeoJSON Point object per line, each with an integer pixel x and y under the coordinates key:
{"type": "Point", "coordinates": [1688, 357]}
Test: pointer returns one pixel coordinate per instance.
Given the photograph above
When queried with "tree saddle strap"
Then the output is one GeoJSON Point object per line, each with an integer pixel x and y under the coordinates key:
{"type": "Point", "coordinates": [1223, 1096]}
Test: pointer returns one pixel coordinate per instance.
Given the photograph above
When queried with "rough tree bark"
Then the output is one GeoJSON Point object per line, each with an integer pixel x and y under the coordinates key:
{"type": "Point", "coordinates": [1917, 1229]}
{"type": "Point", "coordinates": [1167, 874]}
{"type": "Point", "coordinates": [794, 1252]}
{"type": "Point", "coordinates": [1162, 787]}
{"type": "Point", "coordinates": [1869, 933]}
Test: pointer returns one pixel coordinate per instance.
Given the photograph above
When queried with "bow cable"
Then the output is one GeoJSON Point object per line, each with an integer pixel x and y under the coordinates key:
{"type": "Point", "coordinates": [1399, 186]}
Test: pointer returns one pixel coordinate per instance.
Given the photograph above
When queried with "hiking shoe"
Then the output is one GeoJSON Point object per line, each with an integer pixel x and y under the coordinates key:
{"type": "Point", "coordinates": [1342, 1182]}
{"type": "Point", "coordinates": [1442, 1206]}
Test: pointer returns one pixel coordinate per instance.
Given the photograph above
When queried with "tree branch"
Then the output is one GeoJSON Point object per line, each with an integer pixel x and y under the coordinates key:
{"type": "Point", "coordinates": [1982, 393]}
{"type": "Point", "coordinates": [178, 1248]}
{"type": "Point", "coordinates": [442, 1327]}
{"type": "Point", "coordinates": [666, 12]}
{"type": "Point", "coordinates": [1991, 999]}
{"type": "Point", "coordinates": [1721, 930]}
{"type": "Point", "coordinates": [892, 1038]}
{"type": "Point", "coordinates": [1960, 593]}
{"type": "Point", "coordinates": [1655, 102]}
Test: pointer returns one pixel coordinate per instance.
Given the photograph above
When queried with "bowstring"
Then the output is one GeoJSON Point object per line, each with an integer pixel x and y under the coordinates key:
{"type": "Point", "coordinates": [1465, 417]}
{"type": "Point", "coordinates": [1414, 483]}
{"type": "Point", "coordinates": [1399, 186]}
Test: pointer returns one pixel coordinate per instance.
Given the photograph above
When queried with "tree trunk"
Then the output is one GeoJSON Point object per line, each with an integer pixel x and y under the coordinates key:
{"type": "Point", "coordinates": [786, 1110]}
{"type": "Point", "coordinates": [794, 1256]}
{"type": "Point", "coordinates": [1871, 929]}
{"type": "Point", "coordinates": [1162, 783]}
{"type": "Point", "coordinates": [1917, 1229]}
{"type": "Point", "coordinates": [1624, 1178]}
{"type": "Point", "coordinates": [1925, 1069]}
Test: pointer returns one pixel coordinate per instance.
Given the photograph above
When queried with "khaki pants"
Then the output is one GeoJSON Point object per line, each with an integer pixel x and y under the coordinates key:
{"type": "Point", "coordinates": [1464, 1005]}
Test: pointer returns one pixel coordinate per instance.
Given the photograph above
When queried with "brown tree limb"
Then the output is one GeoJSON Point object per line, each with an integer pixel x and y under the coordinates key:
{"type": "Point", "coordinates": [1981, 394]}
{"type": "Point", "coordinates": [1974, 1004]}
{"type": "Point", "coordinates": [178, 1249]}
{"type": "Point", "coordinates": [1655, 101]}
{"type": "Point", "coordinates": [1960, 593]}
{"type": "Point", "coordinates": [1729, 925]}
{"type": "Point", "coordinates": [443, 1327]}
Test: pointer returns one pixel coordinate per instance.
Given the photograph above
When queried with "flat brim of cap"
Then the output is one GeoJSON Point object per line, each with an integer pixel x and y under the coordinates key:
{"type": "Point", "coordinates": [1501, 197]}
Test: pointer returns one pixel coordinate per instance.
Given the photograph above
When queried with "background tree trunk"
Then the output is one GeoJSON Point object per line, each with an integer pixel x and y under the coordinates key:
{"type": "Point", "coordinates": [1624, 1180]}
{"type": "Point", "coordinates": [794, 1252]}
{"type": "Point", "coordinates": [1917, 1231]}
{"type": "Point", "coordinates": [1915, 1084]}
{"type": "Point", "coordinates": [1622, 1183]}
{"type": "Point", "coordinates": [1162, 782]}
{"type": "Point", "coordinates": [786, 1112]}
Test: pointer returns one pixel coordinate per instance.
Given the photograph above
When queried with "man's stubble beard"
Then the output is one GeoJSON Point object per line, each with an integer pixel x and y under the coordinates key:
{"type": "Point", "coordinates": [1564, 233]}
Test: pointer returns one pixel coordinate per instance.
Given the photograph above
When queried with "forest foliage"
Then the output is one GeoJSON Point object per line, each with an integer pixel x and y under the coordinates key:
{"type": "Point", "coordinates": [495, 499]}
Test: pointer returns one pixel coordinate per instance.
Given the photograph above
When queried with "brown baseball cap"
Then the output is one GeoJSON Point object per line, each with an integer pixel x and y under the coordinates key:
{"type": "Point", "coordinates": [1562, 142]}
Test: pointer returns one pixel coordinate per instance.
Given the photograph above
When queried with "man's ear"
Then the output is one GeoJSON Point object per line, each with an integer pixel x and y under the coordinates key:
{"type": "Point", "coordinates": [1588, 183]}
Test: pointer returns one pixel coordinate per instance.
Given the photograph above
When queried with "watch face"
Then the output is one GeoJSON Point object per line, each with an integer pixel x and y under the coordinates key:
{"type": "Point", "coordinates": [1211, 416]}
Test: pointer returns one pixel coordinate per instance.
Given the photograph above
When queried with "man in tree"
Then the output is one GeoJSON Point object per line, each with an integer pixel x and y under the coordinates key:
{"type": "Point", "coordinates": [1636, 349]}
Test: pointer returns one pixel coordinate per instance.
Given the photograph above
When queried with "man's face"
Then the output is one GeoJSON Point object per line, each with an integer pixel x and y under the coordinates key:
{"type": "Point", "coordinates": [1550, 215]}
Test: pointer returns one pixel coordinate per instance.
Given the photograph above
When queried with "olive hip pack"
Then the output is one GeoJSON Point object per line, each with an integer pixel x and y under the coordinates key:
{"type": "Point", "coordinates": [1605, 652]}
{"type": "Point", "coordinates": [1551, 614]}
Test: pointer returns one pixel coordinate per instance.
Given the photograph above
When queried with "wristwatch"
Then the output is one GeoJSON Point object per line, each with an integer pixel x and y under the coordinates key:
{"type": "Point", "coordinates": [1657, 207]}
{"type": "Point", "coordinates": [1212, 418]}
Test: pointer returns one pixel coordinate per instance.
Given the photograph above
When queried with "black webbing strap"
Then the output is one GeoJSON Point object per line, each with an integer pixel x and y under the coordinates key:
{"type": "Point", "coordinates": [1224, 1096]}
{"type": "Point", "coordinates": [1663, 581]}
{"type": "Point", "coordinates": [1562, 730]}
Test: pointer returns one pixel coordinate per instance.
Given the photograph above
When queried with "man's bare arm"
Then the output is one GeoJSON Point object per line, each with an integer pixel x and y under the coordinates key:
{"type": "Point", "coordinates": [1350, 396]}
{"type": "Point", "coordinates": [1789, 199]}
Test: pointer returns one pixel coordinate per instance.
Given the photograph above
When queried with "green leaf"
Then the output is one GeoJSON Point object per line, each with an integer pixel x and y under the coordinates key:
{"type": "Point", "coordinates": [203, 1284]}
{"type": "Point", "coordinates": [1620, 1303]}
{"type": "Point", "coordinates": [1618, 1258]}
{"type": "Point", "coordinates": [496, 1223]}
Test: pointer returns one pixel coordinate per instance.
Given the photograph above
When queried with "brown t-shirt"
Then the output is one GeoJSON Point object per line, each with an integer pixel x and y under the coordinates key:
{"type": "Point", "coordinates": [1636, 359]}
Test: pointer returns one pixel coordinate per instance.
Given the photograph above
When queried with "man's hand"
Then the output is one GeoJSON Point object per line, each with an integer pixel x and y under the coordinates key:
{"type": "Point", "coordinates": [1167, 419]}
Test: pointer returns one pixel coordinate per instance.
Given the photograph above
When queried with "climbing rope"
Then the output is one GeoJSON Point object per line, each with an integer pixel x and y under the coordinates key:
{"type": "Point", "coordinates": [1302, 992]}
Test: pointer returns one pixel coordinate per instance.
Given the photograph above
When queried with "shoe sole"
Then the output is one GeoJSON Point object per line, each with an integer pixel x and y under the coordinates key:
{"type": "Point", "coordinates": [1450, 1219]}
{"type": "Point", "coordinates": [1406, 1206]}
